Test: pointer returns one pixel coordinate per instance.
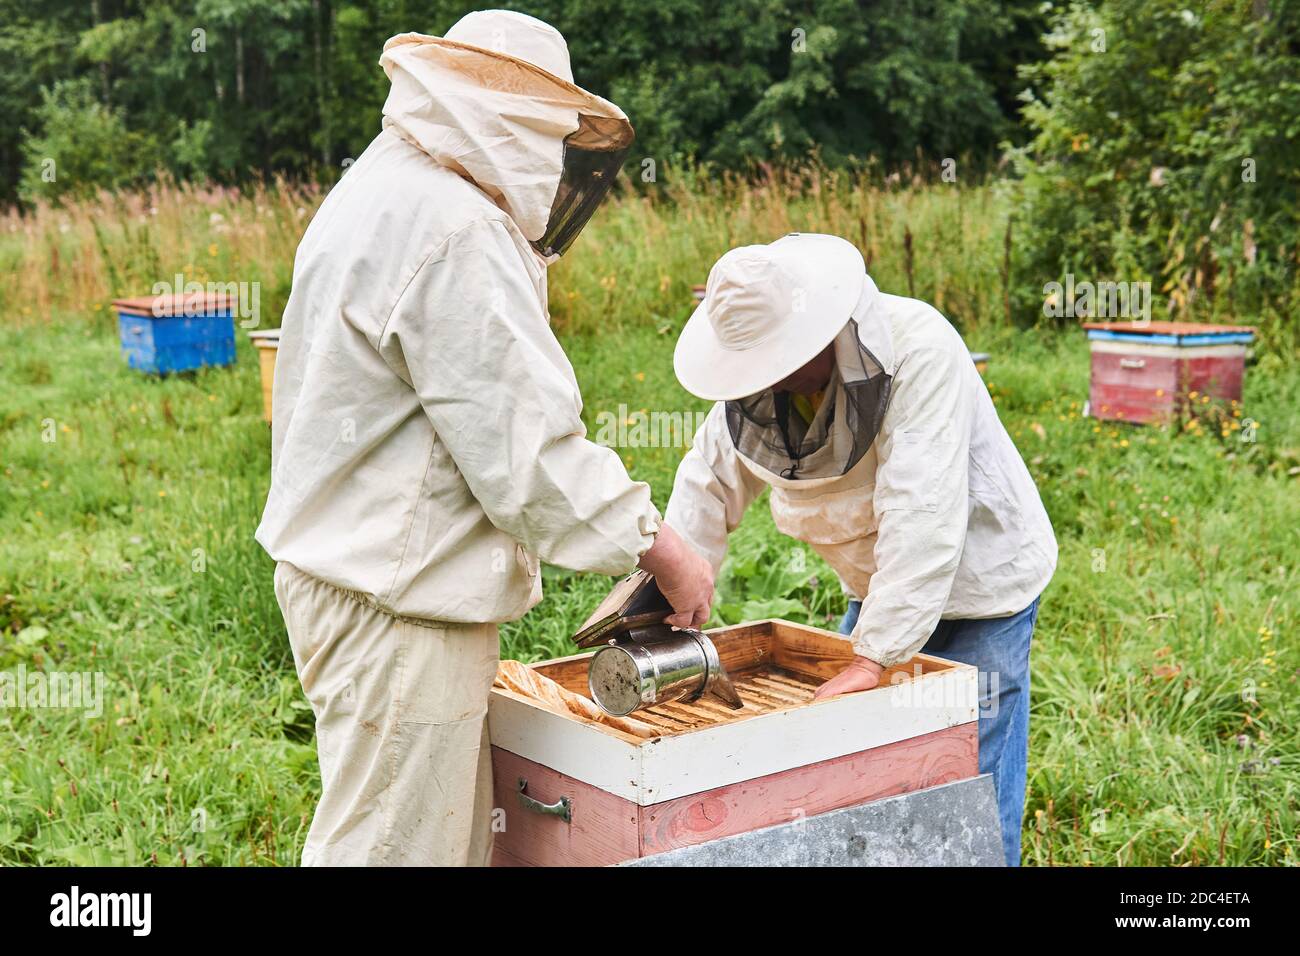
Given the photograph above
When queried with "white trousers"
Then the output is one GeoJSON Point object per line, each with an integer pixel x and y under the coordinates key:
{"type": "Point", "coordinates": [401, 729]}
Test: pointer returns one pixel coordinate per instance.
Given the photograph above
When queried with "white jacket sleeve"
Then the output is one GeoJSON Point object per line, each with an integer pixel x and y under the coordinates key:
{"type": "Point", "coordinates": [921, 505]}
{"type": "Point", "coordinates": [712, 490]}
{"type": "Point", "coordinates": [469, 334]}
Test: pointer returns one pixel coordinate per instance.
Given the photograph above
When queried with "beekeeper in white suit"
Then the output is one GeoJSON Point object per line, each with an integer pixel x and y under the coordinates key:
{"type": "Point", "coordinates": [427, 449]}
{"type": "Point", "coordinates": [865, 415]}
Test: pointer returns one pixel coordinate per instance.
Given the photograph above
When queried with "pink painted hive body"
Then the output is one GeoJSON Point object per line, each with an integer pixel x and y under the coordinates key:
{"type": "Point", "coordinates": [716, 772]}
{"type": "Point", "coordinates": [1152, 373]}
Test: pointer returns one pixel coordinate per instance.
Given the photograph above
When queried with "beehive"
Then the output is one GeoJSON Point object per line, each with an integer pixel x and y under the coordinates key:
{"type": "Point", "coordinates": [176, 333]}
{"type": "Point", "coordinates": [1151, 372]}
{"type": "Point", "coordinates": [267, 343]}
{"type": "Point", "coordinates": [716, 772]}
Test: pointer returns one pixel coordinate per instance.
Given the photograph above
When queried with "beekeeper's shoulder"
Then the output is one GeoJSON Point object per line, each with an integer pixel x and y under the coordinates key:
{"type": "Point", "coordinates": [448, 205]}
{"type": "Point", "coordinates": [418, 203]}
{"type": "Point", "coordinates": [917, 328]}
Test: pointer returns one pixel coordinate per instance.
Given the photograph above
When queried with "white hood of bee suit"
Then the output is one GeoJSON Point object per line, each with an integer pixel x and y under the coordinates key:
{"type": "Point", "coordinates": [493, 100]}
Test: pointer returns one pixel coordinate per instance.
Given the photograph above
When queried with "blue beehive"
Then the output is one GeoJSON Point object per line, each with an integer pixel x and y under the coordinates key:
{"type": "Point", "coordinates": [176, 333]}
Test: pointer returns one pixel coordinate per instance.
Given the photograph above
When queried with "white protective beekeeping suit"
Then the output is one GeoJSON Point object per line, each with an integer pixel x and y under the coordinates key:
{"type": "Point", "coordinates": [908, 485]}
{"type": "Point", "coordinates": [427, 445]}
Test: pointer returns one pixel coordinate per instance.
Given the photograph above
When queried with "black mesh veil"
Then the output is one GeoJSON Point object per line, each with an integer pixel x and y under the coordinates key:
{"type": "Point", "coordinates": [593, 155]}
{"type": "Point", "coordinates": [767, 430]}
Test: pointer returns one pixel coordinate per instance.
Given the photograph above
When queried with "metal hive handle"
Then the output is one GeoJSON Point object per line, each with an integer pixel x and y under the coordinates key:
{"type": "Point", "coordinates": [562, 808]}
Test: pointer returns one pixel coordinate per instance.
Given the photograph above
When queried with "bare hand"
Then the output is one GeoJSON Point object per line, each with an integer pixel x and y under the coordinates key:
{"type": "Point", "coordinates": [862, 674]}
{"type": "Point", "coordinates": [684, 578]}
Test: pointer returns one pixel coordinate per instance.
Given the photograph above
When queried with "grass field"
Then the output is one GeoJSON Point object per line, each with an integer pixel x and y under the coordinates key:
{"type": "Point", "coordinates": [1164, 670]}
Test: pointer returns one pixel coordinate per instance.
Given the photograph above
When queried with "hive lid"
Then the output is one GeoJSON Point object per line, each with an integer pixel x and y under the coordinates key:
{"type": "Point", "coordinates": [265, 338]}
{"type": "Point", "coordinates": [182, 304]}
{"type": "Point", "coordinates": [1170, 332]}
{"type": "Point", "coordinates": [636, 601]}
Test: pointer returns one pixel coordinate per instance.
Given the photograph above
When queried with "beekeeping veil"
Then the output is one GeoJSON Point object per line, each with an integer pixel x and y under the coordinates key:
{"type": "Point", "coordinates": [495, 101]}
{"type": "Point", "coordinates": [769, 310]}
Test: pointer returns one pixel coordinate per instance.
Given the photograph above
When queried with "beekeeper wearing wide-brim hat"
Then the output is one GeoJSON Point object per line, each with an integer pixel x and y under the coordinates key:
{"type": "Point", "coordinates": [428, 450]}
{"type": "Point", "coordinates": [865, 416]}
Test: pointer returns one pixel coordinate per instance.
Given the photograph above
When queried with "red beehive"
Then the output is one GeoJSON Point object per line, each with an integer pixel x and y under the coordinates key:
{"type": "Point", "coordinates": [1147, 372]}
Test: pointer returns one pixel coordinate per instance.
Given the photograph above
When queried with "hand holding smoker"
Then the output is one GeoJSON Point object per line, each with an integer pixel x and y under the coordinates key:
{"type": "Point", "coordinates": [646, 662]}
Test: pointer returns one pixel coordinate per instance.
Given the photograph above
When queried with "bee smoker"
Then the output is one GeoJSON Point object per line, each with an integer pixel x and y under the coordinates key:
{"type": "Point", "coordinates": [645, 662]}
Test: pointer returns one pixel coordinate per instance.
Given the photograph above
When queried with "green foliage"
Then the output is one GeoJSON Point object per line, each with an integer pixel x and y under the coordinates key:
{"type": "Point", "coordinates": [83, 146]}
{"type": "Point", "coordinates": [1164, 151]}
{"type": "Point", "coordinates": [740, 83]}
{"type": "Point", "coordinates": [232, 88]}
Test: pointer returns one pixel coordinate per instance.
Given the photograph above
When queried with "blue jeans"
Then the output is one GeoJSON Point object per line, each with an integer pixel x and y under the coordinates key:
{"type": "Point", "coordinates": [999, 648]}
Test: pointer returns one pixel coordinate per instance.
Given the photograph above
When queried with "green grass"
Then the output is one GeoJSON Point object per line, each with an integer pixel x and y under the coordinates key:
{"type": "Point", "coordinates": [1164, 667]}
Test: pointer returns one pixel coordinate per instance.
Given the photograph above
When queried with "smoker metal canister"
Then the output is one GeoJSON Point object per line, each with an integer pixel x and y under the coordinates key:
{"type": "Point", "coordinates": [629, 675]}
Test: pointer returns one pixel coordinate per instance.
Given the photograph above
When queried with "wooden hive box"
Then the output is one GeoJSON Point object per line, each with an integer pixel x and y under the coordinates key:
{"type": "Point", "coordinates": [162, 334]}
{"type": "Point", "coordinates": [267, 343]}
{"type": "Point", "coordinates": [716, 772]}
{"type": "Point", "coordinates": [1151, 372]}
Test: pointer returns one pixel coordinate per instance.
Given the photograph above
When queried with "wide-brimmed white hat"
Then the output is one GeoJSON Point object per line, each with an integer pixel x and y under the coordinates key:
{"type": "Point", "coordinates": [533, 47]}
{"type": "Point", "coordinates": [767, 311]}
